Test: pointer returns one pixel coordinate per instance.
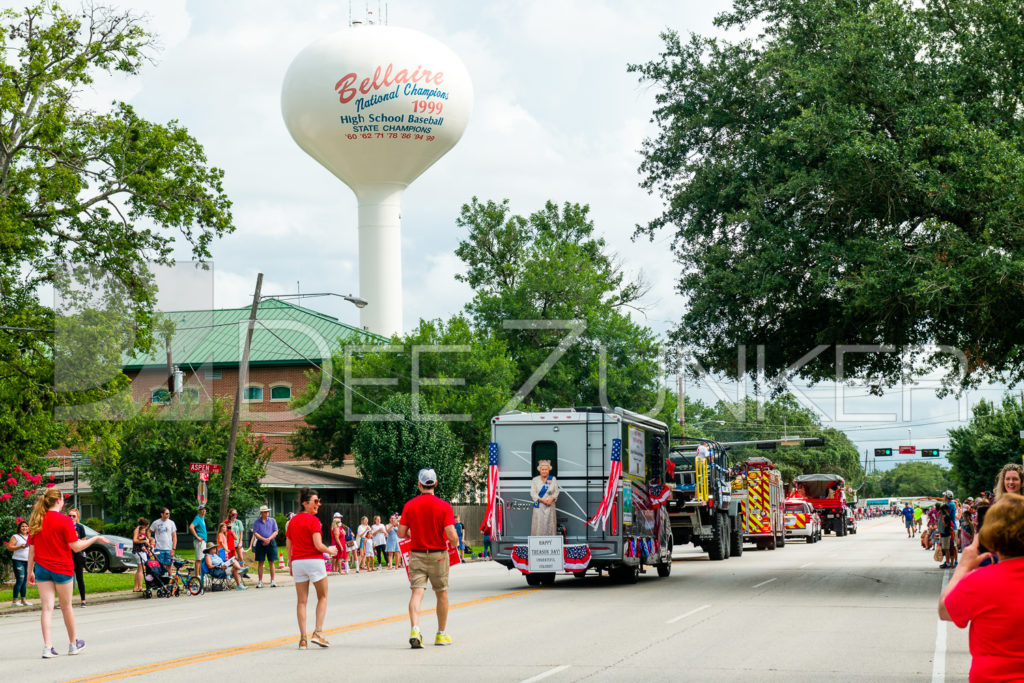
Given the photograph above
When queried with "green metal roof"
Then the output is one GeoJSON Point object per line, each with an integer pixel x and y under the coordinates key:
{"type": "Point", "coordinates": [215, 338]}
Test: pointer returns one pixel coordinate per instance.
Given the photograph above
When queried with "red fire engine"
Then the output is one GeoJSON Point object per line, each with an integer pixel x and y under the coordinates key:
{"type": "Point", "coordinates": [763, 511]}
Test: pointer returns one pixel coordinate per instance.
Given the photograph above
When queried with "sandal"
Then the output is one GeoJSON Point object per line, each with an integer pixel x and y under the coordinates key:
{"type": "Point", "coordinates": [302, 643]}
{"type": "Point", "coordinates": [319, 639]}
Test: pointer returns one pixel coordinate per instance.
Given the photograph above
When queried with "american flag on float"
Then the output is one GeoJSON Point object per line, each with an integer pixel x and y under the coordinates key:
{"type": "Point", "coordinates": [521, 558]}
{"type": "Point", "coordinates": [604, 510]}
{"type": "Point", "coordinates": [576, 557]}
{"type": "Point", "coordinates": [493, 512]}
{"type": "Point", "coordinates": [660, 494]}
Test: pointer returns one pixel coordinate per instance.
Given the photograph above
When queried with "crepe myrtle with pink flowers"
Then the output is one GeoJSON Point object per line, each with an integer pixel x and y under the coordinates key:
{"type": "Point", "coordinates": [18, 489]}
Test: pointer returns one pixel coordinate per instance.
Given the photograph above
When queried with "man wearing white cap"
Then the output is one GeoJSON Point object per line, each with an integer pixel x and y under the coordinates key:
{"type": "Point", "coordinates": [264, 543]}
{"type": "Point", "coordinates": [429, 523]}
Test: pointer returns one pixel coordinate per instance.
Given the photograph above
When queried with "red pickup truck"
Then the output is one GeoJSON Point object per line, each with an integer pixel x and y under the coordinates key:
{"type": "Point", "coordinates": [827, 493]}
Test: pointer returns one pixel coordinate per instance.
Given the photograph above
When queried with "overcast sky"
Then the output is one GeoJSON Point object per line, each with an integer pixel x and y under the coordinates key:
{"type": "Point", "coordinates": [556, 117]}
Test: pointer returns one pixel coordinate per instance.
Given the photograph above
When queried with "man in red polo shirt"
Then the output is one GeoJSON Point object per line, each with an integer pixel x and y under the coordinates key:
{"type": "Point", "coordinates": [429, 524]}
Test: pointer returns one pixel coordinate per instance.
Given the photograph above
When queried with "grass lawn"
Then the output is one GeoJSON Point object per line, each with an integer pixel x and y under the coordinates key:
{"type": "Point", "coordinates": [94, 583]}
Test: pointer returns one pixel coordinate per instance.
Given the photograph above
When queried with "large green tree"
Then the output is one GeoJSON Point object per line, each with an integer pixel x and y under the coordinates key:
{"type": "Point", "coordinates": [150, 470]}
{"type": "Point", "coordinates": [389, 454]}
{"type": "Point", "coordinates": [912, 479]}
{"type": "Point", "coordinates": [847, 172]}
{"type": "Point", "coordinates": [991, 439]}
{"type": "Point", "coordinates": [462, 373]}
{"type": "Point", "coordinates": [87, 200]}
{"type": "Point", "coordinates": [546, 286]}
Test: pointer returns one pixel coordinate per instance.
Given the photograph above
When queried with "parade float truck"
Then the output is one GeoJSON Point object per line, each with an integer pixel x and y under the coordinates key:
{"type": "Point", "coordinates": [705, 506]}
{"type": "Point", "coordinates": [609, 467]}
{"type": "Point", "coordinates": [764, 509]}
{"type": "Point", "coordinates": [827, 493]}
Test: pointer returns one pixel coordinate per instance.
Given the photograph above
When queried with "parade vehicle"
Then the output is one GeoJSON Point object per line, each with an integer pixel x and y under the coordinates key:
{"type": "Point", "coordinates": [609, 469]}
{"type": "Point", "coordinates": [705, 506]}
{"type": "Point", "coordinates": [764, 508]}
{"type": "Point", "coordinates": [851, 521]}
{"type": "Point", "coordinates": [802, 521]}
{"type": "Point", "coordinates": [827, 493]}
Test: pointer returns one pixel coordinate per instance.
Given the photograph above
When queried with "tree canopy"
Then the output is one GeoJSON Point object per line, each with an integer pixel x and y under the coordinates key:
{"type": "Point", "coordinates": [87, 200]}
{"type": "Point", "coordinates": [150, 470]}
{"type": "Point", "coordinates": [910, 479]}
{"type": "Point", "coordinates": [389, 454]}
{"type": "Point", "coordinates": [991, 439]}
{"type": "Point", "coordinates": [544, 284]}
{"type": "Point", "coordinates": [847, 173]}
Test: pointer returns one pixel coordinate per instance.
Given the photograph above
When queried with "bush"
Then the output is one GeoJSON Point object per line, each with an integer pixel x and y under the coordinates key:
{"type": "Point", "coordinates": [95, 523]}
{"type": "Point", "coordinates": [281, 520]}
{"type": "Point", "coordinates": [119, 529]}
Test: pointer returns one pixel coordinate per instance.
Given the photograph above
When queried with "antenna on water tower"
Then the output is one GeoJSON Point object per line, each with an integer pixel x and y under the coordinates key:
{"type": "Point", "coordinates": [377, 106]}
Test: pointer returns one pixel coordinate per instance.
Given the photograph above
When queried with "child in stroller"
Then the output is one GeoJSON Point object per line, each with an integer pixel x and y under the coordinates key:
{"type": "Point", "coordinates": [158, 578]}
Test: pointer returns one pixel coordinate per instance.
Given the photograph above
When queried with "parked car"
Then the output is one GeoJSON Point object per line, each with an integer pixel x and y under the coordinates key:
{"type": "Point", "coordinates": [115, 555]}
{"type": "Point", "coordinates": [802, 521]}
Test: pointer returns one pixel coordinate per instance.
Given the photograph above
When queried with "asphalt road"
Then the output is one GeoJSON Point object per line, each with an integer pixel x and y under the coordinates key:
{"type": "Point", "coordinates": [861, 607]}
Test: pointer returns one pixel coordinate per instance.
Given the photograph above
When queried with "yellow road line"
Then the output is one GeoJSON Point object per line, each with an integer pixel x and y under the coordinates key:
{"type": "Point", "coordinates": [276, 642]}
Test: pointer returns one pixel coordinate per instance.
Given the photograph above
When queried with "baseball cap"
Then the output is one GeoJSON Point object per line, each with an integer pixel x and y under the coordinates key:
{"type": "Point", "coordinates": [337, 515]}
{"type": "Point", "coordinates": [427, 476]}
{"type": "Point", "coordinates": [202, 507]}
{"type": "Point", "coordinates": [948, 494]}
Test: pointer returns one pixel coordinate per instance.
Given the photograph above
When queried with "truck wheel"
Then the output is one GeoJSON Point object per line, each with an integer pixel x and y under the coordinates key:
{"type": "Point", "coordinates": [770, 543]}
{"type": "Point", "coordinates": [840, 524]}
{"type": "Point", "coordinates": [717, 546]}
{"type": "Point", "coordinates": [736, 540]}
{"type": "Point", "coordinates": [727, 528]}
{"type": "Point", "coordinates": [664, 569]}
{"type": "Point", "coordinates": [781, 541]}
{"type": "Point", "coordinates": [533, 579]}
{"type": "Point", "coordinates": [625, 574]}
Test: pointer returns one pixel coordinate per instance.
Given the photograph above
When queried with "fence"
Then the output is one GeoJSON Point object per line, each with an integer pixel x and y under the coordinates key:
{"type": "Point", "coordinates": [470, 515]}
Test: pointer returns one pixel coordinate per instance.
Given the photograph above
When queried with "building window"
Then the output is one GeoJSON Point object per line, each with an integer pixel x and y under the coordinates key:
{"type": "Point", "coordinates": [190, 395]}
{"type": "Point", "coordinates": [160, 396]}
{"type": "Point", "coordinates": [213, 374]}
{"type": "Point", "coordinates": [544, 450]}
{"type": "Point", "coordinates": [280, 393]}
{"type": "Point", "coordinates": [253, 393]}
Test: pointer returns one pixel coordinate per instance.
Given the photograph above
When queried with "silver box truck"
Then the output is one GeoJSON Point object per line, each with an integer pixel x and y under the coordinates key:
{"type": "Point", "coordinates": [580, 443]}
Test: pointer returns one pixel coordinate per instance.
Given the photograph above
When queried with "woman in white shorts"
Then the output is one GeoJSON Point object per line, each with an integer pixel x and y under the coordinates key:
{"type": "Point", "coordinates": [306, 561]}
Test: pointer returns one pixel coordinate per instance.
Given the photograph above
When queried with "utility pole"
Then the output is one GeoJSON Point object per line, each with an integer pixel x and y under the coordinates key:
{"type": "Point", "coordinates": [243, 376]}
{"type": "Point", "coordinates": [170, 369]}
{"type": "Point", "coordinates": [681, 385]}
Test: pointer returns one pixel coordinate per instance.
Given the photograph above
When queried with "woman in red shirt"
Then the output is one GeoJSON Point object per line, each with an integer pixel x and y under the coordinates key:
{"type": "Point", "coordinates": [991, 598]}
{"type": "Point", "coordinates": [52, 539]}
{"type": "Point", "coordinates": [306, 561]}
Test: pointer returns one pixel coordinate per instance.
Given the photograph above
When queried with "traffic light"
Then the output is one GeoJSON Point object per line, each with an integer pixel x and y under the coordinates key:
{"type": "Point", "coordinates": [882, 452]}
{"type": "Point", "coordinates": [929, 452]}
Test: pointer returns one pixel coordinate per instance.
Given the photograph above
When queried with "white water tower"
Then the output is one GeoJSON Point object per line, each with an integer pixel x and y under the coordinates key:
{"type": "Point", "coordinates": [377, 106]}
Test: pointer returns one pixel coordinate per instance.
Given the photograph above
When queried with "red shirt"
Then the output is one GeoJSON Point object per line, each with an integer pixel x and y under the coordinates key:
{"type": "Point", "coordinates": [426, 515]}
{"type": "Point", "coordinates": [300, 532]}
{"type": "Point", "coordinates": [51, 543]}
{"type": "Point", "coordinates": [992, 599]}
{"type": "Point", "coordinates": [231, 543]}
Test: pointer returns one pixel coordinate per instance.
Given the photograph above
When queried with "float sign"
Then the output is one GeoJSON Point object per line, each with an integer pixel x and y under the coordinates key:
{"type": "Point", "coordinates": [545, 554]}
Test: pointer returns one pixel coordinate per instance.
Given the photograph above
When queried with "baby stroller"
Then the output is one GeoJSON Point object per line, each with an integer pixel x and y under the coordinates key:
{"type": "Point", "coordinates": [158, 578]}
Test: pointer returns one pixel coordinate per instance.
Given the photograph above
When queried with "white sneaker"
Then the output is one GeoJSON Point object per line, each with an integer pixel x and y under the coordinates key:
{"type": "Point", "coordinates": [259, 584]}
{"type": "Point", "coordinates": [273, 584]}
{"type": "Point", "coordinates": [76, 647]}
{"type": "Point", "coordinates": [49, 652]}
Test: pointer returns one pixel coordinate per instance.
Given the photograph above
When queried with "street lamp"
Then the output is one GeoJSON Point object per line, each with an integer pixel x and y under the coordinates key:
{"type": "Point", "coordinates": [359, 301]}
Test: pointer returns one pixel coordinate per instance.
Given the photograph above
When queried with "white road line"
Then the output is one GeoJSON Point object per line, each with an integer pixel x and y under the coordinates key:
{"type": "Point", "coordinates": [805, 565]}
{"type": "Point", "coordinates": [764, 582]}
{"type": "Point", "coordinates": [683, 616]}
{"type": "Point", "coordinates": [549, 672]}
{"type": "Point", "coordinates": [939, 656]}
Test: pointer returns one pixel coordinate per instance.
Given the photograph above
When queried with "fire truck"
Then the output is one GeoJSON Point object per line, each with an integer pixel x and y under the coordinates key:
{"type": "Point", "coordinates": [827, 493]}
{"type": "Point", "coordinates": [764, 508]}
{"type": "Point", "coordinates": [704, 508]}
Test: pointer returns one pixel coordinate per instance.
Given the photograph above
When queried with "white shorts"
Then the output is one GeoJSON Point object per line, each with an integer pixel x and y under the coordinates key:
{"type": "Point", "coordinates": [308, 570]}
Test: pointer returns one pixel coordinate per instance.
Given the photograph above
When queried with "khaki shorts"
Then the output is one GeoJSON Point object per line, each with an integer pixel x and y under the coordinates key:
{"type": "Point", "coordinates": [944, 542]}
{"type": "Point", "coordinates": [429, 565]}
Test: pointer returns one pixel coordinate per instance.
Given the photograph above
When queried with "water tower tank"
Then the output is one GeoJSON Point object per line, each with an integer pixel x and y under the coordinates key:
{"type": "Point", "coordinates": [377, 106]}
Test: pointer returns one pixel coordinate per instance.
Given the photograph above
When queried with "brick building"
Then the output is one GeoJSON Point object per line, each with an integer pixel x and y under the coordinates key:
{"type": "Point", "coordinates": [288, 342]}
